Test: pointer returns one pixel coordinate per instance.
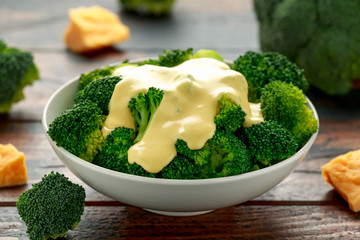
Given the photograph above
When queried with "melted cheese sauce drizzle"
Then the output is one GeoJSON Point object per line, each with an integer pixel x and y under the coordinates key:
{"type": "Point", "coordinates": [190, 102]}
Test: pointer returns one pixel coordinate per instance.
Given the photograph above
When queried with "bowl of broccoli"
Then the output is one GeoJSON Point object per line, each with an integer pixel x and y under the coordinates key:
{"type": "Point", "coordinates": [239, 160]}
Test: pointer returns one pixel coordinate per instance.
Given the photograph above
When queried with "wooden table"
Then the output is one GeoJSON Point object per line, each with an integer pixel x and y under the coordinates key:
{"type": "Point", "coordinates": [302, 206]}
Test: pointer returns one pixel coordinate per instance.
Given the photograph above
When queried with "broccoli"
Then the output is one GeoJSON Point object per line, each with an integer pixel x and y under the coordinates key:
{"type": "Point", "coordinates": [222, 155]}
{"type": "Point", "coordinates": [51, 207]}
{"type": "Point", "coordinates": [88, 77]}
{"type": "Point", "coordinates": [181, 167]}
{"type": "Point", "coordinates": [170, 57]}
{"type": "Point", "coordinates": [78, 130]}
{"type": "Point", "coordinates": [322, 37]}
{"type": "Point", "coordinates": [269, 142]}
{"type": "Point", "coordinates": [174, 57]}
{"type": "Point", "coordinates": [260, 69]}
{"type": "Point", "coordinates": [17, 70]}
{"type": "Point", "coordinates": [114, 154]}
{"type": "Point", "coordinates": [286, 103]}
{"type": "Point", "coordinates": [143, 108]}
{"type": "Point", "coordinates": [230, 116]}
{"type": "Point", "coordinates": [99, 91]}
{"type": "Point", "coordinates": [154, 8]}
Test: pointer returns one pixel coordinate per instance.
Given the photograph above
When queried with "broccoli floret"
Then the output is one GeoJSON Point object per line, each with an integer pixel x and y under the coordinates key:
{"type": "Point", "coordinates": [269, 143]}
{"type": "Point", "coordinates": [78, 130]}
{"type": "Point", "coordinates": [222, 155]}
{"type": "Point", "coordinates": [51, 207]}
{"type": "Point", "coordinates": [17, 70]}
{"type": "Point", "coordinates": [170, 58]}
{"type": "Point", "coordinates": [99, 91]}
{"type": "Point", "coordinates": [143, 108]}
{"type": "Point", "coordinates": [260, 69]}
{"type": "Point", "coordinates": [154, 8]}
{"type": "Point", "coordinates": [230, 116]}
{"type": "Point", "coordinates": [322, 37]}
{"type": "Point", "coordinates": [86, 78]}
{"type": "Point", "coordinates": [114, 154]}
{"type": "Point", "coordinates": [286, 104]}
{"type": "Point", "coordinates": [181, 167]}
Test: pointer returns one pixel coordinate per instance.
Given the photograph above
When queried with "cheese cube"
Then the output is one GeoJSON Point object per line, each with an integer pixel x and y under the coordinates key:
{"type": "Point", "coordinates": [94, 28]}
{"type": "Point", "coordinates": [343, 173]}
{"type": "Point", "coordinates": [13, 170]}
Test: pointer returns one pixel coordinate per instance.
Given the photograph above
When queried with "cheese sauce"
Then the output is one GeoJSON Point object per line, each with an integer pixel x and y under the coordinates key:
{"type": "Point", "coordinates": [190, 102]}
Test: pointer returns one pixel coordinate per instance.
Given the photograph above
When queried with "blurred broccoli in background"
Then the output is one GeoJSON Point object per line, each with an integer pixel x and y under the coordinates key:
{"type": "Point", "coordinates": [51, 207]}
{"type": "Point", "coordinates": [322, 37]}
{"type": "Point", "coordinates": [148, 7]}
{"type": "Point", "coordinates": [17, 70]}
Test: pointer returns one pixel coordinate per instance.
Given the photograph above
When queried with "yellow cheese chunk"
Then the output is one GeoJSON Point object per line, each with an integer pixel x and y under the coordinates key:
{"type": "Point", "coordinates": [343, 173]}
{"type": "Point", "coordinates": [13, 170]}
{"type": "Point", "coordinates": [94, 28]}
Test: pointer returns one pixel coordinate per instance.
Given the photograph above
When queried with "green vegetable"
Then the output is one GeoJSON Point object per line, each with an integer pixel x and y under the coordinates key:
{"type": "Point", "coordinates": [114, 155]}
{"type": "Point", "coordinates": [17, 70]}
{"type": "Point", "coordinates": [286, 103]}
{"type": "Point", "coordinates": [51, 207]}
{"type": "Point", "coordinates": [99, 91]}
{"type": "Point", "coordinates": [322, 37]}
{"type": "Point", "coordinates": [88, 77]}
{"type": "Point", "coordinates": [78, 130]}
{"type": "Point", "coordinates": [223, 155]}
{"type": "Point", "coordinates": [143, 108]}
{"type": "Point", "coordinates": [174, 57]}
{"type": "Point", "coordinates": [269, 143]}
{"type": "Point", "coordinates": [260, 69]}
{"type": "Point", "coordinates": [230, 116]}
{"type": "Point", "coordinates": [148, 7]}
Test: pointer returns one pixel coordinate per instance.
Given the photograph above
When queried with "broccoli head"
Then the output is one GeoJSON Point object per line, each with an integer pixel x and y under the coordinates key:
{"type": "Point", "coordinates": [170, 57]}
{"type": "Point", "coordinates": [99, 91]}
{"type": "Point", "coordinates": [322, 37]}
{"type": "Point", "coordinates": [269, 143]}
{"type": "Point", "coordinates": [223, 155]}
{"type": "Point", "coordinates": [286, 104]}
{"type": "Point", "coordinates": [143, 108]}
{"type": "Point", "coordinates": [260, 69]}
{"type": "Point", "coordinates": [114, 154]}
{"type": "Point", "coordinates": [88, 77]}
{"type": "Point", "coordinates": [230, 116]}
{"type": "Point", "coordinates": [51, 207]}
{"type": "Point", "coordinates": [78, 130]}
{"type": "Point", "coordinates": [181, 167]}
{"type": "Point", "coordinates": [17, 70]}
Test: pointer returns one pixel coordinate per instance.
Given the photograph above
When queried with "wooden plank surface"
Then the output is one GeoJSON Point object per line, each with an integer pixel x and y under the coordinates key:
{"type": "Point", "coordinates": [303, 206]}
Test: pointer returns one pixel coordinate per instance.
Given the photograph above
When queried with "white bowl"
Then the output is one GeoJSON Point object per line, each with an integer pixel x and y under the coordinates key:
{"type": "Point", "coordinates": [168, 196]}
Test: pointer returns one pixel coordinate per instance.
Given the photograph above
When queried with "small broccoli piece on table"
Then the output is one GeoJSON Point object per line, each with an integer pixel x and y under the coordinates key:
{"type": "Point", "coordinates": [78, 130]}
{"type": "Point", "coordinates": [88, 77]}
{"type": "Point", "coordinates": [148, 7]}
{"type": "Point", "coordinates": [17, 70]}
{"type": "Point", "coordinates": [286, 104]}
{"type": "Point", "coordinates": [222, 155]}
{"type": "Point", "coordinates": [260, 69]}
{"type": "Point", "coordinates": [269, 143]}
{"type": "Point", "coordinates": [51, 207]}
{"type": "Point", "coordinates": [143, 108]}
{"type": "Point", "coordinates": [99, 91]}
{"type": "Point", "coordinates": [230, 116]}
{"type": "Point", "coordinates": [114, 153]}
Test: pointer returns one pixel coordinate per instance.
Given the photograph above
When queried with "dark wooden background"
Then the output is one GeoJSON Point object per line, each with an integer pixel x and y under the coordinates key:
{"type": "Point", "coordinates": [303, 206]}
